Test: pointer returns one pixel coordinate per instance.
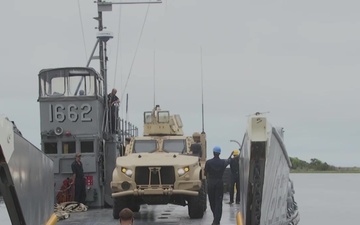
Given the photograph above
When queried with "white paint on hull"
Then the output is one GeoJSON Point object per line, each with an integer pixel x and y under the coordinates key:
{"type": "Point", "coordinates": [6, 137]}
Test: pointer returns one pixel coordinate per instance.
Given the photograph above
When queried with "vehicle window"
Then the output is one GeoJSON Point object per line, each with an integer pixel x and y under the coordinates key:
{"type": "Point", "coordinates": [163, 116]}
{"type": "Point", "coordinates": [174, 146]}
{"type": "Point", "coordinates": [145, 146]}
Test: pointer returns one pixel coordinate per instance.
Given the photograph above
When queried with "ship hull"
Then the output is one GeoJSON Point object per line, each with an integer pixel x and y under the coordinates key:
{"type": "Point", "coordinates": [27, 177]}
{"type": "Point", "coordinates": [264, 176]}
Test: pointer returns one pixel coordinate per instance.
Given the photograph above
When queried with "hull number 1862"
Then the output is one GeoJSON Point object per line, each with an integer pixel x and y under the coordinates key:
{"type": "Point", "coordinates": [60, 113]}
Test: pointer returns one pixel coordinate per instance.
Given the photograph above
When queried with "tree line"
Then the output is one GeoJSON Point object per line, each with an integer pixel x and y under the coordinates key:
{"type": "Point", "coordinates": [299, 165]}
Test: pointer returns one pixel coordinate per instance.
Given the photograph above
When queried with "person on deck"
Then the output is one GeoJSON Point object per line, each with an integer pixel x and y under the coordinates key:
{"type": "Point", "coordinates": [214, 170]}
{"type": "Point", "coordinates": [113, 100]}
{"type": "Point", "coordinates": [78, 179]}
{"type": "Point", "coordinates": [195, 147]}
{"type": "Point", "coordinates": [126, 217]}
{"type": "Point", "coordinates": [234, 176]}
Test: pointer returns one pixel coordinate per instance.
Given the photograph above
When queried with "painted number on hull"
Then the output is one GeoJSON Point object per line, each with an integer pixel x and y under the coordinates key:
{"type": "Point", "coordinates": [60, 113]}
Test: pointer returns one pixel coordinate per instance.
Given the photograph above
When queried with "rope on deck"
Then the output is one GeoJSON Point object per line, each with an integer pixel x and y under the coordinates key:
{"type": "Point", "coordinates": [63, 210]}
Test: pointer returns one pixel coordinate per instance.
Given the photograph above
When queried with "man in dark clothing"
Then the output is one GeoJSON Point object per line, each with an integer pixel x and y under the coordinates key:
{"type": "Point", "coordinates": [214, 170]}
{"type": "Point", "coordinates": [78, 179]}
{"type": "Point", "coordinates": [112, 101]}
{"type": "Point", "coordinates": [195, 148]}
{"type": "Point", "coordinates": [235, 179]}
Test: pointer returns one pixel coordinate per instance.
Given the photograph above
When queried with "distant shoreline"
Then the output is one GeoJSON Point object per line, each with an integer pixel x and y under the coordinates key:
{"type": "Point", "coordinates": [357, 170]}
{"type": "Point", "coordinates": [318, 166]}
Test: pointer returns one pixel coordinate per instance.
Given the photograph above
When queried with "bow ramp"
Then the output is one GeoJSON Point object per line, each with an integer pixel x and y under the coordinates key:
{"type": "Point", "coordinates": [26, 178]}
{"type": "Point", "coordinates": [267, 190]}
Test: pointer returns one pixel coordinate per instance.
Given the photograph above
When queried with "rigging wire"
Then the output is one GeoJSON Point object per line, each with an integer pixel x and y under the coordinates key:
{"type": "Point", "coordinates": [82, 29]}
{"type": "Point", "coordinates": [117, 47]}
{"type": "Point", "coordinates": [202, 91]}
{"type": "Point", "coordinates": [118, 55]}
{"type": "Point", "coordinates": [137, 47]}
{"type": "Point", "coordinates": [154, 81]}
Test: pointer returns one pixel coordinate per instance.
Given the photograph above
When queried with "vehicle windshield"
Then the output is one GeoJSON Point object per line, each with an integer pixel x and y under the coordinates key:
{"type": "Point", "coordinates": [141, 146]}
{"type": "Point", "coordinates": [174, 146]}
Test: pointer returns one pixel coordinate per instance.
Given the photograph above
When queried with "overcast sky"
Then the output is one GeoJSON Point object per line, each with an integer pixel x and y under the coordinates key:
{"type": "Point", "coordinates": [297, 60]}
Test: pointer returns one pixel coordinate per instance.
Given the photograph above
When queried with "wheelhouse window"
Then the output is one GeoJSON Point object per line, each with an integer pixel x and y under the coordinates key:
{"type": "Point", "coordinates": [56, 87]}
{"type": "Point", "coordinates": [86, 146]}
{"type": "Point", "coordinates": [177, 146]}
{"type": "Point", "coordinates": [100, 87]}
{"type": "Point", "coordinates": [69, 147]}
{"type": "Point", "coordinates": [141, 146]}
{"type": "Point", "coordinates": [50, 148]}
{"type": "Point", "coordinates": [81, 85]}
{"type": "Point", "coordinates": [70, 82]}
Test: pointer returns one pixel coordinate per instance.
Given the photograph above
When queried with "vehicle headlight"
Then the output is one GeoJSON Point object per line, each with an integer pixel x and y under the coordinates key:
{"type": "Point", "coordinates": [127, 171]}
{"type": "Point", "coordinates": [182, 171]}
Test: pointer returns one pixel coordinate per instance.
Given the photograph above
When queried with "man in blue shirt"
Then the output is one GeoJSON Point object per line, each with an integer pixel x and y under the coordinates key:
{"type": "Point", "coordinates": [214, 170]}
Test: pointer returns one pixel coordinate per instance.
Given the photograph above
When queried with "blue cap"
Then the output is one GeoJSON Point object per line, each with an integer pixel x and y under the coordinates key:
{"type": "Point", "coordinates": [217, 149]}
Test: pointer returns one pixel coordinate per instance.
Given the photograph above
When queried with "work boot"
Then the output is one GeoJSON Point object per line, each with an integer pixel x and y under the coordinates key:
{"type": "Point", "coordinates": [231, 202]}
{"type": "Point", "coordinates": [237, 202]}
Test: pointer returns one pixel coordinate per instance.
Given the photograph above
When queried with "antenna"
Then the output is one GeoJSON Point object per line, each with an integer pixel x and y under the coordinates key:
{"type": "Point", "coordinates": [154, 79]}
{"type": "Point", "coordinates": [202, 92]}
{"type": "Point", "coordinates": [127, 105]}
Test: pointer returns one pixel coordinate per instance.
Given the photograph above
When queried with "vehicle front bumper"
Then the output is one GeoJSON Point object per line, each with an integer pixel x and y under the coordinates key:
{"type": "Point", "coordinates": [189, 188]}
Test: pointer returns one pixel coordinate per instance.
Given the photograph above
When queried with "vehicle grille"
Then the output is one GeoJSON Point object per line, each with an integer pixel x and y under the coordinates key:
{"type": "Point", "coordinates": [154, 175]}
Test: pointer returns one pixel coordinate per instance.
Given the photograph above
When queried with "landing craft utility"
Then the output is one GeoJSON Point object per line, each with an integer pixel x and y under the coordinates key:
{"type": "Point", "coordinates": [75, 119]}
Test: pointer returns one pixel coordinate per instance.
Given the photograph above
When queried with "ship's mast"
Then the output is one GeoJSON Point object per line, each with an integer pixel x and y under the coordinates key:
{"type": "Point", "coordinates": [103, 37]}
{"type": "Point", "coordinates": [101, 51]}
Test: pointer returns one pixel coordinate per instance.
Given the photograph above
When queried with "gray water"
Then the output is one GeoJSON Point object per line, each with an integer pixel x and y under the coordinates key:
{"type": "Point", "coordinates": [325, 199]}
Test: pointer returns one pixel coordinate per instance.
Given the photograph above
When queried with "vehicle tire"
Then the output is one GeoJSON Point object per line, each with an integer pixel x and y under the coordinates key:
{"type": "Point", "coordinates": [197, 204]}
{"type": "Point", "coordinates": [119, 204]}
{"type": "Point", "coordinates": [204, 186]}
{"type": "Point", "coordinates": [107, 205]}
{"type": "Point", "coordinates": [135, 208]}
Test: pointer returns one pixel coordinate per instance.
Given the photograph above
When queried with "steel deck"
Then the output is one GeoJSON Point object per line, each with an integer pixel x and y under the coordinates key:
{"type": "Point", "coordinates": [154, 214]}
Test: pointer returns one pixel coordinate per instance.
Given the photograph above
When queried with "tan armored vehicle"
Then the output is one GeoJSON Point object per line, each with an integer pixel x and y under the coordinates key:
{"type": "Point", "coordinates": [163, 166]}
